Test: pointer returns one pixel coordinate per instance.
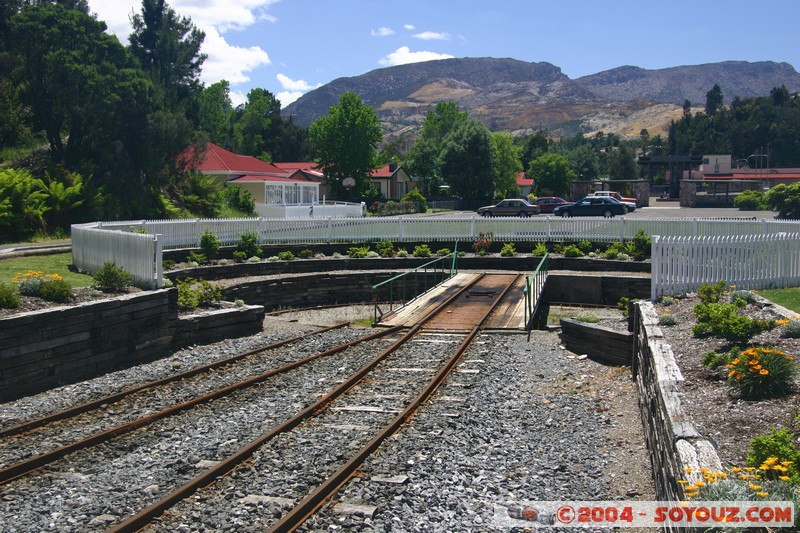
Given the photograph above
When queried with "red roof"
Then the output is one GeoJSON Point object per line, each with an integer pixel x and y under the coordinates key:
{"type": "Point", "coordinates": [268, 177]}
{"type": "Point", "coordinates": [523, 180]}
{"type": "Point", "coordinates": [218, 160]}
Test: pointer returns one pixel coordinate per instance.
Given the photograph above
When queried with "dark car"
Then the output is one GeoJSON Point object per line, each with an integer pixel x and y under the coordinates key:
{"type": "Point", "coordinates": [548, 203]}
{"type": "Point", "coordinates": [592, 206]}
{"type": "Point", "coordinates": [516, 207]}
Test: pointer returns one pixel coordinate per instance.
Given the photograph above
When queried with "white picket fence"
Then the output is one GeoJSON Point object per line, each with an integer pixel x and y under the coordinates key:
{"type": "Point", "coordinates": [682, 264]}
{"type": "Point", "coordinates": [120, 242]}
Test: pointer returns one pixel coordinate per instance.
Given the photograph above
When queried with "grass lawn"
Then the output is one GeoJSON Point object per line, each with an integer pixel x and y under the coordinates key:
{"type": "Point", "coordinates": [789, 298]}
{"type": "Point", "coordinates": [46, 264]}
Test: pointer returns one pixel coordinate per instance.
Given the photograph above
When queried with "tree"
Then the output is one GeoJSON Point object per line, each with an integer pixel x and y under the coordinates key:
{"type": "Point", "coordinates": [507, 164]}
{"type": "Point", "coordinates": [345, 142]}
{"type": "Point", "coordinates": [168, 48]}
{"type": "Point", "coordinates": [714, 100]}
{"type": "Point", "coordinates": [255, 122]}
{"type": "Point", "coordinates": [621, 164]}
{"type": "Point", "coordinates": [422, 160]}
{"type": "Point", "coordinates": [552, 174]}
{"type": "Point", "coordinates": [466, 161]}
{"type": "Point", "coordinates": [216, 113]}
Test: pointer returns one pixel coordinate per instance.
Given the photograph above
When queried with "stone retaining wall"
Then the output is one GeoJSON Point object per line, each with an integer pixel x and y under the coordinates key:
{"type": "Point", "coordinates": [43, 349]}
{"type": "Point", "coordinates": [672, 439]}
{"type": "Point", "coordinates": [599, 343]}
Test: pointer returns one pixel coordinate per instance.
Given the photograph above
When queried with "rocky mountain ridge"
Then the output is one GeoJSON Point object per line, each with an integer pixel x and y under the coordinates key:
{"type": "Point", "coordinates": [517, 96]}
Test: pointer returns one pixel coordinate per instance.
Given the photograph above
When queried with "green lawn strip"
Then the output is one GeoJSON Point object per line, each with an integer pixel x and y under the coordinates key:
{"type": "Point", "coordinates": [46, 264]}
{"type": "Point", "coordinates": [788, 298]}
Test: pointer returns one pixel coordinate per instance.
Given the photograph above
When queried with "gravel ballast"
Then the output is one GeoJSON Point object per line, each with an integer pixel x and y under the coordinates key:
{"type": "Point", "coordinates": [518, 421]}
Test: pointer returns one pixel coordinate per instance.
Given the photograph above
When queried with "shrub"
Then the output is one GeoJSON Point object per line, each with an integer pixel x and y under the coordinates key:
{"type": "Point", "coordinates": [254, 259]}
{"type": "Point", "coordinates": [168, 263]}
{"type": "Point", "coordinates": [385, 249]}
{"type": "Point", "coordinates": [56, 290]}
{"type": "Point", "coordinates": [584, 246]}
{"type": "Point", "coordinates": [423, 250]}
{"type": "Point", "coordinates": [238, 255]}
{"type": "Point", "coordinates": [640, 246]}
{"type": "Point", "coordinates": [667, 300]}
{"type": "Point", "coordinates": [286, 255]}
{"type": "Point", "coordinates": [622, 305]}
{"type": "Point", "coordinates": [305, 254]}
{"type": "Point", "coordinates": [751, 200]}
{"type": "Point", "coordinates": [791, 330]}
{"type": "Point", "coordinates": [483, 243]}
{"type": "Point", "coordinates": [357, 252]}
{"type": "Point", "coordinates": [761, 372]}
{"type": "Point", "coordinates": [667, 319]}
{"type": "Point", "coordinates": [715, 360]}
{"type": "Point", "coordinates": [780, 445]}
{"type": "Point", "coordinates": [196, 257]}
{"type": "Point", "coordinates": [748, 297]}
{"type": "Point", "coordinates": [111, 278]}
{"type": "Point", "coordinates": [572, 251]}
{"type": "Point", "coordinates": [239, 198]}
{"type": "Point", "coordinates": [443, 251]}
{"type": "Point", "coordinates": [30, 283]}
{"type": "Point", "coordinates": [248, 243]}
{"type": "Point", "coordinates": [710, 293]}
{"type": "Point", "coordinates": [9, 297]}
{"type": "Point", "coordinates": [587, 316]}
{"type": "Point", "coordinates": [416, 197]}
{"type": "Point", "coordinates": [613, 250]}
{"type": "Point", "coordinates": [540, 250]}
{"type": "Point", "coordinates": [508, 250]}
{"type": "Point", "coordinates": [372, 254]}
{"type": "Point", "coordinates": [402, 252]}
{"type": "Point", "coordinates": [197, 293]}
{"type": "Point", "coordinates": [725, 320]}
{"type": "Point", "coordinates": [209, 244]}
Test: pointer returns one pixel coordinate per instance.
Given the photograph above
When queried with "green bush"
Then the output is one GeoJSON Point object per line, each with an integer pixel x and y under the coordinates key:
{"type": "Point", "coordinates": [197, 293]}
{"type": "Point", "coordinates": [423, 250]}
{"type": "Point", "coordinates": [710, 293]}
{"type": "Point", "coordinates": [209, 244]}
{"type": "Point", "coordinates": [714, 360]}
{"type": "Point", "coordinates": [286, 255]}
{"type": "Point", "coordinates": [168, 263]}
{"type": "Point", "coordinates": [416, 197]}
{"type": "Point", "coordinates": [614, 250]}
{"type": "Point", "coordinates": [791, 330]}
{"type": "Point", "coordinates": [385, 249]}
{"type": "Point", "coordinates": [640, 246]}
{"type": "Point", "coordinates": [572, 251]}
{"type": "Point", "coordinates": [588, 317]}
{"type": "Point", "coordinates": [761, 372]}
{"type": "Point", "coordinates": [667, 319]}
{"type": "Point", "coordinates": [111, 278]}
{"type": "Point", "coordinates": [239, 255]}
{"type": "Point", "coordinates": [305, 254]}
{"type": "Point", "coordinates": [443, 251]}
{"type": "Point", "coordinates": [248, 243]}
{"type": "Point", "coordinates": [584, 246]}
{"type": "Point", "coordinates": [751, 200]}
{"type": "Point", "coordinates": [56, 290]}
{"type": "Point", "coordinates": [508, 250]}
{"type": "Point", "coordinates": [9, 297]}
{"type": "Point", "coordinates": [358, 252]}
{"type": "Point", "coordinates": [726, 321]}
{"type": "Point", "coordinates": [240, 199]}
{"type": "Point", "coordinates": [540, 250]}
{"type": "Point", "coordinates": [780, 444]}
{"type": "Point", "coordinates": [622, 305]}
{"type": "Point", "coordinates": [749, 297]}
{"type": "Point", "coordinates": [197, 257]}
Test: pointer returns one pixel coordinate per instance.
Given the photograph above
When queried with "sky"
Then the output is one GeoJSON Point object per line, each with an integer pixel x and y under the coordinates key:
{"type": "Point", "coordinates": [290, 47]}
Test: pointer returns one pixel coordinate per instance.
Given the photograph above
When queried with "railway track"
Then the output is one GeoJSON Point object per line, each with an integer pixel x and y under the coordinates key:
{"type": "Point", "coordinates": [300, 410]}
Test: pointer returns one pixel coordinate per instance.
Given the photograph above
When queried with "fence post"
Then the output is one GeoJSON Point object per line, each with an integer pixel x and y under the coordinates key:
{"type": "Point", "coordinates": [547, 238]}
{"type": "Point", "coordinates": [655, 269]}
{"type": "Point", "coordinates": [401, 233]}
{"type": "Point", "coordinates": [159, 251]}
{"type": "Point", "coordinates": [330, 229]}
{"type": "Point", "coordinates": [694, 227]}
{"type": "Point", "coordinates": [622, 230]}
{"type": "Point", "coordinates": [197, 233]}
{"type": "Point", "coordinates": [260, 229]}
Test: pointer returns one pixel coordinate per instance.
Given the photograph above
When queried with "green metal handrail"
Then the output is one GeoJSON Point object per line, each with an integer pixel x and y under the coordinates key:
{"type": "Point", "coordinates": [438, 267]}
{"type": "Point", "coordinates": [534, 285]}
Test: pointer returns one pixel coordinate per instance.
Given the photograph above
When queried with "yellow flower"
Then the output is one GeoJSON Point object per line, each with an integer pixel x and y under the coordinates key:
{"type": "Point", "coordinates": [736, 469]}
{"type": "Point", "coordinates": [683, 481]}
{"type": "Point", "coordinates": [763, 494]}
{"type": "Point", "coordinates": [764, 372]}
{"type": "Point", "coordinates": [692, 494]}
{"type": "Point", "coordinates": [688, 470]}
{"type": "Point", "coordinates": [754, 487]}
{"type": "Point", "coordinates": [700, 483]}
{"type": "Point", "coordinates": [786, 463]}
{"type": "Point", "coordinates": [784, 478]}
{"type": "Point", "coordinates": [750, 468]}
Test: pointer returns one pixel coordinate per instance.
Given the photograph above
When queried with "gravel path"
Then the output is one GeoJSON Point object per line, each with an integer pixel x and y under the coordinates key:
{"type": "Point", "coordinates": [520, 421]}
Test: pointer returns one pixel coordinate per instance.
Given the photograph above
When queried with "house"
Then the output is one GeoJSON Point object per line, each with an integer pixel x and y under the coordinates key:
{"type": "Point", "coordinates": [392, 181]}
{"type": "Point", "coordinates": [526, 185]}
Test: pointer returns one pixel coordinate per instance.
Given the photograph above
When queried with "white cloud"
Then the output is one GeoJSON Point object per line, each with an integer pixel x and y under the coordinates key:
{"type": "Point", "coordinates": [404, 56]}
{"type": "Point", "coordinates": [226, 62]}
{"type": "Point", "coordinates": [432, 36]}
{"type": "Point", "coordinates": [287, 97]}
{"type": "Point", "coordinates": [409, 27]}
{"type": "Point", "coordinates": [294, 89]}
{"type": "Point", "coordinates": [382, 32]}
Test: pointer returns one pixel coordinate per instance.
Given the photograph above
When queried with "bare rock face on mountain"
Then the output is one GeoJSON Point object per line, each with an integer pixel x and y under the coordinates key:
{"type": "Point", "coordinates": [516, 96]}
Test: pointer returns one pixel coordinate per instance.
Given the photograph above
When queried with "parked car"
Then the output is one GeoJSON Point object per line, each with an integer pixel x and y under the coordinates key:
{"type": "Point", "coordinates": [592, 206]}
{"type": "Point", "coordinates": [617, 196]}
{"type": "Point", "coordinates": [548, 203]}
{"type": "Point", "coordinates": [516, 207]}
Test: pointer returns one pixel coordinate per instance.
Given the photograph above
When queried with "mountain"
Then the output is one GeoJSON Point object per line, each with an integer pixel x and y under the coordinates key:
{"type": "Point", "coordinates": [517, 96]}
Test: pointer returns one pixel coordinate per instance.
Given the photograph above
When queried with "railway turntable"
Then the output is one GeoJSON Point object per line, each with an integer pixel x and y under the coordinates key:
{"type": "Point", "coordinates": [509, 314]}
